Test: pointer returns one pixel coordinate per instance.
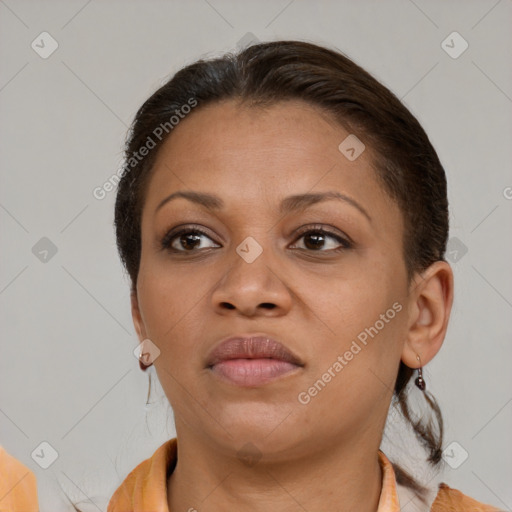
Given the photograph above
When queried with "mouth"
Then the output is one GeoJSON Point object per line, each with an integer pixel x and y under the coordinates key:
{"type": "Point", "coordinates": [251, 361]}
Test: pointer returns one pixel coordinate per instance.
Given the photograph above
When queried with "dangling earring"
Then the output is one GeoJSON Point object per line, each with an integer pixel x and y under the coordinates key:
{"type": "Point", "coordinates": [148, 352]}
{"type": "Point", "coordinates": [144, 356]}
{"type": "Point", "coordinates": [148, 403]}
{"type": "Point", "coordinates": [143, 366]}
{"type": "Point", "coordinates": [419, 379]}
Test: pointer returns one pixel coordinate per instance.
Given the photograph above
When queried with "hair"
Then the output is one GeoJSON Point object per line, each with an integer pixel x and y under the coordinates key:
{"type": "Point", "coordinates": [403, 159]}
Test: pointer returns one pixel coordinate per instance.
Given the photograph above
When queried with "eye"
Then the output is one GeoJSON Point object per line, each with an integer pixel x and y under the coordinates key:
{"type": "Point", "coordinates": [188, 238]}
{"type": "Point", "coordinates": [316, 239]}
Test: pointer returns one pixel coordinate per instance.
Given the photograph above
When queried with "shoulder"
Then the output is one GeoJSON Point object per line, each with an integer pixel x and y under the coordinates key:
{"type": "Point", "coordinates": [145, 487]}
{"type": "Point", "coordinates": [452, 500]}
{"type": "Point", "coordinates": [18, 486]}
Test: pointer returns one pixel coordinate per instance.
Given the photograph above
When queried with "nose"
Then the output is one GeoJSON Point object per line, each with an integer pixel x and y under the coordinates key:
{"type": "Point", "coordinates": [252, 289]}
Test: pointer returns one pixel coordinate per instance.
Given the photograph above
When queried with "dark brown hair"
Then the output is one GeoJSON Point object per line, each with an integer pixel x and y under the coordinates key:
{"type": "Point", "coordinates": [403, 158]}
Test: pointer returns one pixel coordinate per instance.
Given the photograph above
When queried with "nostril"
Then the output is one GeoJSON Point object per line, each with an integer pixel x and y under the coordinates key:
{"type": "Point", "coordinates": [268, 305]}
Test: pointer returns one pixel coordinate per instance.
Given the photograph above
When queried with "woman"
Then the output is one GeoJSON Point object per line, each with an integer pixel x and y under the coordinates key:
{"type": "Point", "coordinates": [283, 220]}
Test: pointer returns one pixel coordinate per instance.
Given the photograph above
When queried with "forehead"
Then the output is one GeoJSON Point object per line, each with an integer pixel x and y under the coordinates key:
{"type": "Point", "coordinates": [250, 153]}
{"type": "Point", "coordinates": [228, 129]}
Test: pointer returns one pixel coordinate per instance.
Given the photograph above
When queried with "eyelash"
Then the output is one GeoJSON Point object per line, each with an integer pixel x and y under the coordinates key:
{"type": "Point", "coordinates": [317, 229]}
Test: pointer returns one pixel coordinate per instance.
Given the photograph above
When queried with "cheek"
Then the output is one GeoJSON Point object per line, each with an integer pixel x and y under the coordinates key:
{"type": "Point", "coordinates": [353, 377]}
{"type": "Point", "coordinates": [170, 307]}
{"type": "Point", "coordinates": [351, 305]}
{"type": "Point", "coordinates": [170, 303]}
{"type": "Point", "coordinates": [365, 320]}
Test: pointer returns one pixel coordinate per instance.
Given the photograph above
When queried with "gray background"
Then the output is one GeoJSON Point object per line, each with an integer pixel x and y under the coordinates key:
{"type": "Point", "coordinates": [67, 372]}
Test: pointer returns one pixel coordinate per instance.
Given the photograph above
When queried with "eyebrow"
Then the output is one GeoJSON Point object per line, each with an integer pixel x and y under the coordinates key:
{"type": "Point", "coordinates": [289, 204]}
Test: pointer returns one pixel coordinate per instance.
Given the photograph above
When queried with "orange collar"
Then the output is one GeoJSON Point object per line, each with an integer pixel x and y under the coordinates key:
{"type": "Point", "coordinates": [145, 488]}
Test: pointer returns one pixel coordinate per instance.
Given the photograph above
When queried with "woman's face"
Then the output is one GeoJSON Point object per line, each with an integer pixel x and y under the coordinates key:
{"type": "Point", "coordinates": [337, 301]}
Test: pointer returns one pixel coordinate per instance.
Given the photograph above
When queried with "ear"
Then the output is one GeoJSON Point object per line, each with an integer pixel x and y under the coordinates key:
{"type": "Point", "coordinates": [138, 322]}
{"type": "Point", "coordinates": [430, 303]}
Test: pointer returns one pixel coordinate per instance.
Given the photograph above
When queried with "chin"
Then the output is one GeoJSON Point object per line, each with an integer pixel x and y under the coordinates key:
{"type": "Point", "coordinates": [262, 423]}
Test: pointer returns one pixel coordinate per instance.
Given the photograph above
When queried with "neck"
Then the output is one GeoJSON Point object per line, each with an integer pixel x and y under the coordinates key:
{"type": "Point", "coordinates": [344, 478]}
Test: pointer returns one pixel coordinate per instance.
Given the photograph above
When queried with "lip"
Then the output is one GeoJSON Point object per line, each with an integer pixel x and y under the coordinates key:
{"type": "Point", "coordinates": [252, 360]}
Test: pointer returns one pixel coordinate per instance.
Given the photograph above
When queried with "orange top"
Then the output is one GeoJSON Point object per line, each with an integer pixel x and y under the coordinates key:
{"type": "Point", "coordinates": [18, 486]}
{"type": "Point", "coordinates": [145, 488]}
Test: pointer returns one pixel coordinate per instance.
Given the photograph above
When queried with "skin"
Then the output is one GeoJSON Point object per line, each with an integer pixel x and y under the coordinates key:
{"type": "Point", "coordinates": [322, 455]}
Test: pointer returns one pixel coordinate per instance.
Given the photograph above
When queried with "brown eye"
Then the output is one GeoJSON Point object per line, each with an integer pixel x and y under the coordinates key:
{"type": "Point", "coordinates": [185, 240]}
{"type": "Point", "coordinates": [321, 240]}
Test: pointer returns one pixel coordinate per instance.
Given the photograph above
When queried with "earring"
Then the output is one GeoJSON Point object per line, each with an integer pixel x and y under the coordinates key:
{"type": "Point", "coordinates": [143, 358]}
{"type": "Point", "coordinates": [143, 366]}
{"type": "Point", "coordinates": [148, 403]}
{"type": "Point", "coordinates": [420, 382]}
